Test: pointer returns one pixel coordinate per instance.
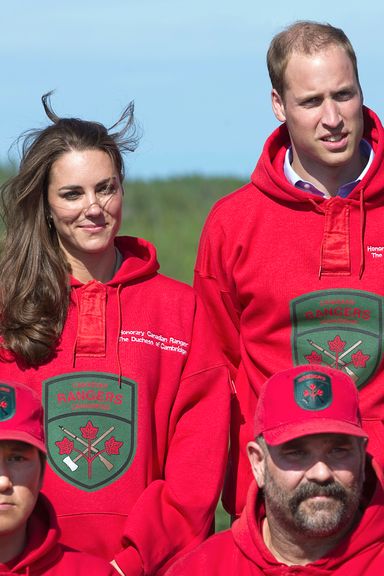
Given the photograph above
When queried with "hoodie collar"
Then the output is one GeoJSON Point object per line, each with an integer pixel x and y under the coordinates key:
{"type": "Point", "coordinates": [42, 549]}
{"type": "Point", "coordinates": [269, 177]}
{"type": "Point", "coordinates": [139, 260]}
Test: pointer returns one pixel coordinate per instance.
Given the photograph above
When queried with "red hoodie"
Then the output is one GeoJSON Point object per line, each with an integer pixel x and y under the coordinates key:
{"type": "Point", "coordinates": [45, 556]}
{"type": "Point", "coordinates": [293, 278]}
{"type": "Point", "coordinates": [136, 416]}
{"type": "Point", "coordinates": [241, 551]}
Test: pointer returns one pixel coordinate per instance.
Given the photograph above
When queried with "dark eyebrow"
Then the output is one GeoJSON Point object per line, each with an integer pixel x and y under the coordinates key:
{"type": "Point", "coordinates": [72, 187]}
{"type": "Point", "coordinates": [346, 88]}
{"type": "Point", "coordinates": [107, 181]}
{"type": "Point", "coordinates": [17, 445]}
{"type": "Point", "coordinates": [297, 443]}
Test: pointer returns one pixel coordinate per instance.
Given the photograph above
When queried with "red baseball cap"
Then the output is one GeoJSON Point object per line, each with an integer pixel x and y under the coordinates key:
{"type": "Point", "coordinates": [21, 415]}
{"type": "Point", "coordinates": [307, 400]}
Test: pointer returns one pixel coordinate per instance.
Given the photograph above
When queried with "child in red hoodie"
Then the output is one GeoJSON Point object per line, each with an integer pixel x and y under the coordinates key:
{"type": "Point", "coordinates": [29, 534]}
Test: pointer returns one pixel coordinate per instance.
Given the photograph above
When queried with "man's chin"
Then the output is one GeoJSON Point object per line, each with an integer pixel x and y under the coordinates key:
{"type": "Point", "coordinates": [320, 517]}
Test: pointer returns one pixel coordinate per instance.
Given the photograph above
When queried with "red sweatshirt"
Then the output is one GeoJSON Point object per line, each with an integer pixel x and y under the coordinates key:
{"type": "Point", "coordinates": [44, 555]}
{"type": "Point", "coordinates": [136, 415]}
{"type": "Point", "coordinates": [293, 278]}
{"type": "Point", "coordinates": [241, 551]}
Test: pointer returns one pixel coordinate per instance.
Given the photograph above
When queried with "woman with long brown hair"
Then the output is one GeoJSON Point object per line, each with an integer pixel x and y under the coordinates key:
{"type": "Point", "coordinates": [135, 393]}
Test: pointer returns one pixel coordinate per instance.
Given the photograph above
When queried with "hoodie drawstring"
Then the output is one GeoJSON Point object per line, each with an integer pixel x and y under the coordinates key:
{"type": "Point", "coordinates": [362, 232]}
{"type": "Point", "coordinates": [118, 333]}
{"type": "Point", "coordinates": [76, 298]}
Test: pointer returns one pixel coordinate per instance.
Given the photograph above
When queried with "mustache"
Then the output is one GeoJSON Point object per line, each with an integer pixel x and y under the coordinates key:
{"type": "Point", "coordinates": [311, 490]}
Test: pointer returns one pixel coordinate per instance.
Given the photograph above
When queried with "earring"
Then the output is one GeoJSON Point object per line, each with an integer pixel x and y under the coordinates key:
{"type": "Point", "coordinates": [50, 222]}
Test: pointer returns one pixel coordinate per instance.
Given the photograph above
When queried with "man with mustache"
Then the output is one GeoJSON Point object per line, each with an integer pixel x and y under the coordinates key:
{"type": "Point", "coordinates": [316, 507]}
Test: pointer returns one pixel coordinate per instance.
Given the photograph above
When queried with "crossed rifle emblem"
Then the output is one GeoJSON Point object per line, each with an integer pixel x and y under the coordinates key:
{"type": "Point", "coordinates": [89, 440]}
{"type": "Point", "coordinates": [359, 359]}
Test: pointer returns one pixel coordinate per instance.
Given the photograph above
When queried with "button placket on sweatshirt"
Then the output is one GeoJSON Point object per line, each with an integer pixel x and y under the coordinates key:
{"type": "Point", "coordinates": [335, 248]}
{"type": "Point", "coordinates": [91, 332]}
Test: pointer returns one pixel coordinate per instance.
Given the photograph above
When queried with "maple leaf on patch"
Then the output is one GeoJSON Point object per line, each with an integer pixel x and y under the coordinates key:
{"type": "Point", "coordinates": [89, 431]}
{"type": "Point", "coordinates": [113, 446]}
{"type": "Point", "coordinates": [314, 391]}
{"type": "Point", "coordinates": [65, 445]}
{"type": "Point", "coordinates": [337, 344]}
{"type": "Point", "coordinates": [359, 359]}
{"type": "Point", "coordinates": [314, 358]}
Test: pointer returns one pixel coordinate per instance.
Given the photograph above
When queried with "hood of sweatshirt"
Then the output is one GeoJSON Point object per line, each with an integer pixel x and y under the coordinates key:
{"type": "Point", "coordinates": [98, 305]}
{"type": "Point", "coordinates": [139, 262]}
{"type": "Point", "coordinates": [42, 550]}
{"type": "Point", "coordinates": [367, 536]}
{"type": "Point", "coordinates": [269, 179]}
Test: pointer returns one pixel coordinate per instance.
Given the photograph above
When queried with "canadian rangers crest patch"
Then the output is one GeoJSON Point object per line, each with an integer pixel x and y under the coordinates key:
{"type": "Point", "coordinates": [90, 426]}
{"type": "Point", "coordinates": [7, 402]}
{"type": "Point", "coordinates": [339, 328]}
{"type": "Point", "coordinates": [313, 391]}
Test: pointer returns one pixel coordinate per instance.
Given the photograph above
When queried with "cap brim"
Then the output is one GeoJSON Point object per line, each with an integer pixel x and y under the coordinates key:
{"type": "Point", "coordinates": [23, 437]}
{"type": "Point", "coordinates": [287, 432]}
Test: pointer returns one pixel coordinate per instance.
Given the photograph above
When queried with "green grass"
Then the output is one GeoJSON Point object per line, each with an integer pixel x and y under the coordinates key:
{"type": "Point", "coordinates": [171, 213]}
{"type": "Point", "coordinates": [222, 518]}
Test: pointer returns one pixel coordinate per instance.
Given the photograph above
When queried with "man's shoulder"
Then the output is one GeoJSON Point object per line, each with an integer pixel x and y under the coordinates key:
{"type": "Point", "coordinates": [246, 191]}
{"type": "Point", "coordinates": [234, 205]}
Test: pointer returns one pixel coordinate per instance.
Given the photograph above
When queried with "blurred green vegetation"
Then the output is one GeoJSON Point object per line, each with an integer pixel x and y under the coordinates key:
{"type": "Point", "coordinates": [5, 172]}
{"type": "Point", "coordinates": [222, 518]}
{"type": "Point", "coordinates": [171, 213]}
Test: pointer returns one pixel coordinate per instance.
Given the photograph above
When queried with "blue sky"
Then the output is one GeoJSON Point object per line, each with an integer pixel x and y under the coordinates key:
{"type": "Point", "coordinates": [196, 71]}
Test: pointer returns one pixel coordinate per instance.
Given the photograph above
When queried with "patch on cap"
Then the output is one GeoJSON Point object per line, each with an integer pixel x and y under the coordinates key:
{"type": "Point", "coordinates": [313, 391]}
{"type": "Point", "coordinates": [7, 402]}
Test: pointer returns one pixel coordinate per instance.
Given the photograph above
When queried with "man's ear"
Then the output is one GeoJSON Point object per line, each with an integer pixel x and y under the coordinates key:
{"type": "Point", "coordinates": [256, 457]}
{"type": "Point", "coordinates": [278, 106]}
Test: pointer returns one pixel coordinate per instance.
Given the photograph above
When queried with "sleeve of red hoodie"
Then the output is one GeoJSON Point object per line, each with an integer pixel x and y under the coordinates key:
{"type": "Point", "coordinates": [214, 284]}
{"type": "Point", "coordinates": [175, 514]}
{"type": "Point", "coordinates": [217, 556]}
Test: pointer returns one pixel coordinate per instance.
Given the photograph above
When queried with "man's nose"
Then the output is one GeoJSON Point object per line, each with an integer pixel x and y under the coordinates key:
{"type": "Point", "coordinates": [5, 480]}
{"type": "Point", "coordinates": [320, 472]}
{"type": "Point", "coordinates": [331, 114]}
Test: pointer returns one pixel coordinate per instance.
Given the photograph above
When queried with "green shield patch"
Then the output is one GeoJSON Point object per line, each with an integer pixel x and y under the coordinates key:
{"type": "Point", "coordinates": [338, 328]}
{"type": "Point", "coordinates": [7, 402]}
{"type": "Point", "coordinates": [313, 391]}
{"type": "Point", "coordinates": [90, 426]}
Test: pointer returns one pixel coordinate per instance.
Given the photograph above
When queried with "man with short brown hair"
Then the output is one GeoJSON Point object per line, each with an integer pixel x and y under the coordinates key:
{"type": "Point", "coordinates": [290, 266]}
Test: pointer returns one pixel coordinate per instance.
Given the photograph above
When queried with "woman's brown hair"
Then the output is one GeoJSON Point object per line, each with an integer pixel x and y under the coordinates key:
{"type": "Point", "coordinates": [34, 293]}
